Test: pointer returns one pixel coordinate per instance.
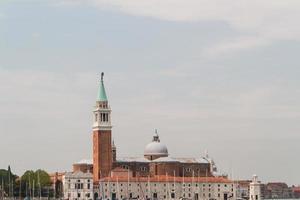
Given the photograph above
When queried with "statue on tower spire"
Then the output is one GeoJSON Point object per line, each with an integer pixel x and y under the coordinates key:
{"type": "Point", "coordinates": [102, 74]}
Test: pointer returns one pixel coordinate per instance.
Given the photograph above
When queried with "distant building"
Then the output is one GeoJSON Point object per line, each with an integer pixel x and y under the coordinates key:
{"type": "Point", "coordinates": [155, 161]}
{"type": "Point", "coordinates": [242, 189]}
{"type": "Point", "coordinates": [83, 166]}
{"type": "Point", "coordinates": [56, 183]}
{"type": "Point", "coordinates": [155, 174]}
{"type": "Point", "coordinates": [166, 187]}
{"type": "Point", "coordinates": [296, 191]}
{"type": "Point", "coordinates": [255, 189]}
{"type": "Point", "coordinates": [277, 190]}
{"type": "Point", "coordinates": [78, 185]}
{"type": "Point", "coordinates": [56, 176]}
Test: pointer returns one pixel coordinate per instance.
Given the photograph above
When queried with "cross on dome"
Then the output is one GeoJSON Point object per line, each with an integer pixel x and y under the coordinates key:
{"type": "Point", "coordinates": [156, 137]}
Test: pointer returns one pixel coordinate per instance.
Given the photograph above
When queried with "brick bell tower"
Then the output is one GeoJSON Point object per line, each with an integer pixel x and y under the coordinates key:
{"type": "Point", "coordinates": [102, 144]}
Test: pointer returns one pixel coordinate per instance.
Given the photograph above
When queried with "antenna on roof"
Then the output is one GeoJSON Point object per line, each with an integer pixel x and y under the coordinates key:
{"type": "Point", "coordinates": [102, 74]}
{"type": "Point", "coordinates": [156, 132]}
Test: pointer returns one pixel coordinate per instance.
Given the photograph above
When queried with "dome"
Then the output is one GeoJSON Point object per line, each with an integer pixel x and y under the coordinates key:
{"type": "Point", "coordinates": [155, 148]}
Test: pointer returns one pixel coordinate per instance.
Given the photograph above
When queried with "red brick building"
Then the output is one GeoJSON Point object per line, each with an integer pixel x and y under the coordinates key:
{"type": "Point", "coordinates": [155, 162]}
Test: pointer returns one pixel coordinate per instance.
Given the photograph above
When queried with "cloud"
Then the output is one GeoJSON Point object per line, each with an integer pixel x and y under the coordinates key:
{"type": "Point", "coordinates": [258, 22]}
{"type": "Point", "coordinates": [236, 44]}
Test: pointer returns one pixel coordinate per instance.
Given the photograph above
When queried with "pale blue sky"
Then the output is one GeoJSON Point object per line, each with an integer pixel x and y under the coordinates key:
{"type": "Point", "coordinates": [209, 75]}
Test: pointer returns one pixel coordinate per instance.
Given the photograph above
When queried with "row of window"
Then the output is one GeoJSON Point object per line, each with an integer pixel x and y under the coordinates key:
{"type": "Point", "coordinates": [78, 180]}
{"type": "Point", "coordinates": [143, 168]}
{"type": "Point", "coordinates": [79, 195]}
{"type": "Point", "coordinates": [103, 117]}
{"type": "Point", "coordinates": [184, 185]}
{"type": "Point", "coordinates": [80, 186]}
{"type": "Point", "coordinates": [155, 196]}
{"type": "Point", "coordinates": [197, 170]}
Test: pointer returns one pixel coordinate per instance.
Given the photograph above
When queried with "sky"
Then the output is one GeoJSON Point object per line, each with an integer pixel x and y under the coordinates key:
{"type": "Point", "coordinates": [210, 75]}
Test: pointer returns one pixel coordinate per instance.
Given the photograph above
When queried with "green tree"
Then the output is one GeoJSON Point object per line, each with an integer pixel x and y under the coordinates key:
{"type": "Point", "coordinates": [43, 178]}
{"type": "Point", "coordinates": [7, 181]}
{"type": "Point", "coordinates": [33, 182]}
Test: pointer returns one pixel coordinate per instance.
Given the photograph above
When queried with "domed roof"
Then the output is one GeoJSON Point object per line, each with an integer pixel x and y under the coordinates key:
{"type": "Point", "coordinates": [155, 148]}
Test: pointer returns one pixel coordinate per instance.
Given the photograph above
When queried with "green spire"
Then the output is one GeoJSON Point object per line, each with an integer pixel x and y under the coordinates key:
{"type": "Point", "coordinates": [101, 91]}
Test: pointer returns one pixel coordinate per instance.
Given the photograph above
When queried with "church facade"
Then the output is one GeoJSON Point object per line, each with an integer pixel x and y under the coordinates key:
{"type": "Point", "coordinates": [154, 175]}
{"type": "Point", "coordinates": [155, 161]}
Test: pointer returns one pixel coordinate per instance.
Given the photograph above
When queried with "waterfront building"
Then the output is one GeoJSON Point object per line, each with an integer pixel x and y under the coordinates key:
{"type": "Point", "coordinates": [155, 174]}
{"type": "Point", "coordinates": [83, 166]}
{"type": "Point", "coordinates": [166, 187]}
{"type": "Point", "coordinates": [242, 189]}
{"type": "Point", "coordinates": [57, 183]}
{"type": "Point", "coordinates": [78, 185]}
{"type": "Point", "coordinates": [255, 189]}
{"type": "Point", "coordinates": [277, 190]}
{"type": "Point", "coordinates": [296, 191]}
{"type": "Point", "coordinates": [155, 161]}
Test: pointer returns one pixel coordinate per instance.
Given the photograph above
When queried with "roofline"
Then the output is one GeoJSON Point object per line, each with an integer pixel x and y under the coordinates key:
{"type": "Point", "coordinates": [167, 179]}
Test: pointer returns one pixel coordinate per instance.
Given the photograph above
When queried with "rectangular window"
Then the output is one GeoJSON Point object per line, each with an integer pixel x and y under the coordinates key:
{"type": "Point", "coordinates": [173, 195]}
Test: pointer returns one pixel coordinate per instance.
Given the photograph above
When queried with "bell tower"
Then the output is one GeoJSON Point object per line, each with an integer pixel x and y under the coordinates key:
{"type": "Point", "coordinates": [102, 144]}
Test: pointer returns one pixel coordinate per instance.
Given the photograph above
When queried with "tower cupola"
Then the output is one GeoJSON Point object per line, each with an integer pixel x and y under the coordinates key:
{"type": "Point", "coordinates": [102, 112]}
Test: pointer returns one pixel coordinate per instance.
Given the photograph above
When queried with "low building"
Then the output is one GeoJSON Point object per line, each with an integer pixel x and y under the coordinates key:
{"type": "Point", "coordinates": [166, 187]}
{"type": "Point", "coordinates": [84, 166]}
{"type": "Point", "coordinates": [296, 191]}
{"type": "Point", "coordinates": [78, 185]}
{"type": "Point", "coordinates": [255, 189]}
{"type": "Point", "coordinates": [277, 190]}
{"type": "Point", "coordinates": [56, 183]}
{"type": "Point", "coordinates": [242, 189]}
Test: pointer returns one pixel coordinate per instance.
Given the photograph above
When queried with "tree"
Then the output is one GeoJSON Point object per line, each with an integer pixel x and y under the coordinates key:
{"type": "Point", "coordinates": [7, 181]}
{"type": "Point", "coordinates": [33, 182]}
